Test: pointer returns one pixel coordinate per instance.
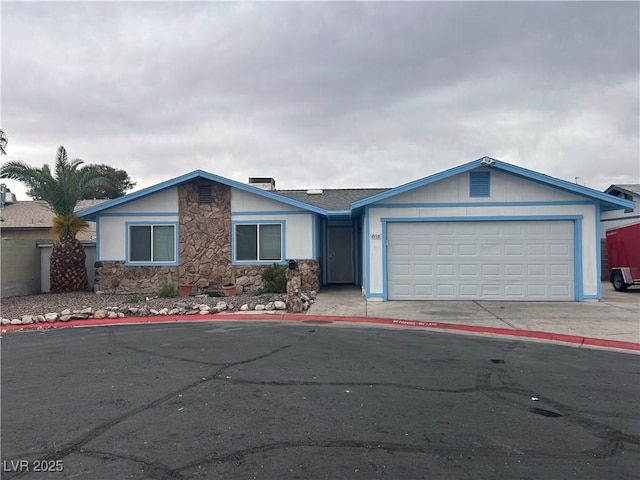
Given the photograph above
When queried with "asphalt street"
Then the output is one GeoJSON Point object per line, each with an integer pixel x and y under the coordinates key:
{"type": "Point", "coordinates": [315, 400]}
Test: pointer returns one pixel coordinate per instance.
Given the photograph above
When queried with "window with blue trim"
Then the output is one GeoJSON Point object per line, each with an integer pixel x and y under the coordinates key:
{"type": "Point", "coordinates": [479, 184]}
{"type": "Point", "coordinates": [258, 242]}
{"type": "Point", "coordinates": [152, 243]}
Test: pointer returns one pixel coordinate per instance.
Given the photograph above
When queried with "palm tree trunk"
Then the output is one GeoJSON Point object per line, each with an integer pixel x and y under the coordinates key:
{"type": "Point", "coordinates": [68, 272]}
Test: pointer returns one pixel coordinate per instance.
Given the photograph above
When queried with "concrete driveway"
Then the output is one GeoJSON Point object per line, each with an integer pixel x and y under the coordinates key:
{"type": "Point", "coordinates": [615, 317]}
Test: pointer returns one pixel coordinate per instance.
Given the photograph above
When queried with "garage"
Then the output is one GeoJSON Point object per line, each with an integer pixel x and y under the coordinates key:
{"type": "Point", "coordinates": [480, 260]}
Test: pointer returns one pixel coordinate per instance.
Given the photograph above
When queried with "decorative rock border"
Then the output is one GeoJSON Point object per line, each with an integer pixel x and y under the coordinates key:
{"type": "Point", "coordinates": [179, 308]}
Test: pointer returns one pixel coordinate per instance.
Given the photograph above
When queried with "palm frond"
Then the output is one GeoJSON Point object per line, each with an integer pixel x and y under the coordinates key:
{"type": "Point", "coordinates": [62, 190]}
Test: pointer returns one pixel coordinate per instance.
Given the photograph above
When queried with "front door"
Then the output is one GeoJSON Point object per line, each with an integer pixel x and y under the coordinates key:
{"type": "Point", "coordinates": [340, 255]}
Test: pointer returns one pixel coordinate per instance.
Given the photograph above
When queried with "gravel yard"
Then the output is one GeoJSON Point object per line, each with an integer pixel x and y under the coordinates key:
{"type": "Point", "coordinates": [15, 307]}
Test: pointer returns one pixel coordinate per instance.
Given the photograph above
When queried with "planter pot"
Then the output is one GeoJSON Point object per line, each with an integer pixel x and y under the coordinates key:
{"type": "Point", "coordinates": [229, 289]}
{"type": "Point", "coordinates": [184, 290]}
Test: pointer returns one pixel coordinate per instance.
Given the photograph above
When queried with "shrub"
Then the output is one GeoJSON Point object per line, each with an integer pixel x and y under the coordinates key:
{"type": "Point", "coordinates": [167, 290]}
{"type": "Point", "coordinates": [274, 279]}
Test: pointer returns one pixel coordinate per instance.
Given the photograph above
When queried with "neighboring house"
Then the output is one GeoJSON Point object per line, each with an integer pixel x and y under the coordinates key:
{"type": "Point", "coordinates": [618, 218]}
{"type": "Point", "coordinates": [25, 245]}
{"type": "Point", "coordinates": [483, 230]}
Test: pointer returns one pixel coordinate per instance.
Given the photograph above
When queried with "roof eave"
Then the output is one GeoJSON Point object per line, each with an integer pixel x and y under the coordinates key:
{"type": "Point", "coordinates": [92, 212]}
{"type": "Point", "coordinates": [607, 202]}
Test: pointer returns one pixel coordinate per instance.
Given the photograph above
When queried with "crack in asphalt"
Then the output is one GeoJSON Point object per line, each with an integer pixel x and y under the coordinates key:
{"type": "Point", "coordinates": [103, 427]}
{"type": "Point", "coordinates": [612, 440]}
{"type": "Point", "coordinates": [305, 383]}
{"type": "Point", "coordinates": [239, 455]}
{"type": "Point", "coordinates": [121, 343]}
{"type": "Point", "coordinates": [158, 470]}
{"type": "Point", "coordinates": [428, 448]}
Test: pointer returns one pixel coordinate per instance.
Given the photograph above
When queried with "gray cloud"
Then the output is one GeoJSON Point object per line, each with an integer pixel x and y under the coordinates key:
{"type": "Point", "coordinates": [325, 94]}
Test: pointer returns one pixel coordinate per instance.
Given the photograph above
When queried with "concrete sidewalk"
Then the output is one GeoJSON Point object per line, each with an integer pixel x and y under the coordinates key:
{"type": "Point", "coordinates": [616, 317]}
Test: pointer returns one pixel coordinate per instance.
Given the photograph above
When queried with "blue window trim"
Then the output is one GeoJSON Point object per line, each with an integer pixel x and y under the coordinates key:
{"type": "Point", "coordinates": [577, 243]}
{"type": "Point", "coordinates": [139, 214]}
{"type": "Point", "coordinates": [176, 234]}
{"type": "Point", "coordinates": [479, 184]}
{"type": "Point", "coordinates": [283, 237]}
{"type": "Point", "coordinates": [271, 212]}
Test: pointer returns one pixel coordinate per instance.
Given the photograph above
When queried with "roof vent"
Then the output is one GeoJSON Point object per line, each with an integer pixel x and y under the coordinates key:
{"type": "Point", "coordinates": [264, 183]}
{"type": "Point", "coordinates": [314, 191]}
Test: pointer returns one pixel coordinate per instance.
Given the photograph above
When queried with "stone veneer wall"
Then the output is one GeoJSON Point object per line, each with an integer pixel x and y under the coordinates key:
{"type": "Point", "coordinates": [115, 277]}
{"type": "Point", "coordinates": [205, 237]}
{"type": "Point", "coordinates": [204, 249]}
{"type": "Point", "coordinates": [249, 278]}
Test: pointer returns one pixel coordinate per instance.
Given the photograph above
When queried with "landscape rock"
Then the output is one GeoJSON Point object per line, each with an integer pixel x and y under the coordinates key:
{"type": "Point", "coordinates": [244, 307]}
{"type": "Point", "coordinates": [221, 306]}
{"type": "Point", "coordinates": [112, 315]}
{"type": "Point", "coordinates": [280, 305]}
{"type": "Point", "coordinates": [39, 319]}
{"type": "Point", "coordinates": [66, 311]}
{"type": "Point", "coordinates": [5, 321]}
{"type": "Point", "coordinates": [259, 307]}
{"type": "Point", "coordinates": [269, 306]}
{"type": "Point", "coordinates": [16, 321]}
{"type": "Point", "coordinates": [64, 318]}
{"type": "Point", "coordinates": [26, 319]}
{"type": "Point", "coordinates": [100, 313]}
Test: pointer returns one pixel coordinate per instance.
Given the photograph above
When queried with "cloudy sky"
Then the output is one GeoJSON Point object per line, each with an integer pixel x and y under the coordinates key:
{"type": "Point", "coordinates": [324, 94]}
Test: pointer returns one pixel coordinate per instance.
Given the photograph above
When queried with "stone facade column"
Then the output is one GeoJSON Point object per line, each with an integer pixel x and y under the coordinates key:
{"type": "Point", "coordinates": [294, 291]}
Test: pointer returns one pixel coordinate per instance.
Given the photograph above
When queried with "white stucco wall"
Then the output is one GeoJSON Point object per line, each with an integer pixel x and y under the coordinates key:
{"type": "Point", "coordinates": [507, 191]}
{"type": "Point", "coordinates": [111, 224]}
{"type": "Point", "coordinates": [298, 223]}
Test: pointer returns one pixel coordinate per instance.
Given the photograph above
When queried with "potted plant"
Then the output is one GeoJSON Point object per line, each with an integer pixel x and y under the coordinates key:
{"type": "Point", "coordinates": [184, 289]}
{"type": "Point", "coordinates": [229, 289]}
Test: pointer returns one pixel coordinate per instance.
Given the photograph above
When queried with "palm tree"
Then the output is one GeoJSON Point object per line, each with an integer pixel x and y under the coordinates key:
{"type": "Point", "coordinates": [61, 191]}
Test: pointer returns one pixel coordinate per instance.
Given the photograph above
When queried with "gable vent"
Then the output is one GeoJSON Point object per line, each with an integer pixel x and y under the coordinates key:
{"type": "Point", "coordinates": [204, 194]}
{"type": "Point", "coordinates": [479, 184]}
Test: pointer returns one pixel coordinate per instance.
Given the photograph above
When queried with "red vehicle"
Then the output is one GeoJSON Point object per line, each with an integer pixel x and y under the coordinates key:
{"type": "Point", "coordinates": [623, 248]}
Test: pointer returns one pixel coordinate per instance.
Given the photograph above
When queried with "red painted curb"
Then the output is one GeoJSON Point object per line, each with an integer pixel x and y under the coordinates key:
{"type": "Point", "coordinates": [557, 337]}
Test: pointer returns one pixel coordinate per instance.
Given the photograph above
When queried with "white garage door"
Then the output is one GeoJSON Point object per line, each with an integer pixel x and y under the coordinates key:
{"type": "Point", "coordinates": [510, 260]}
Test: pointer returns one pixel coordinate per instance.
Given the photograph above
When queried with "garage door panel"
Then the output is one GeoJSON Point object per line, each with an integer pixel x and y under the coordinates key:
{"type": "Point", "coordinates": [536, 270]}
{"type": "Point", "coordinates": [468, 249]}
{"type": "Point", "coordinates": [491, 250]}
{"type": "Point", "coordinates": [513, 249]}
{"type": "Point", "coordinates": [489, 270]}
{"type": "Point", "coordinates": [560, 271]}
{"type": "Point", "coordinates": [516, 270]}
{"type": "Point", "coordinates": [424, 289]}
{"type": "Point", "coordinates": [558, 250]}
{"type": "Point", "coordinates": [469, 290]}
{"type": "Point", "coordinates": [470, 270]}
{"type": "Point", "coordinates": [445, 250]}
{"type": "Point", "coordinates": [445, 270]}
{"type": "Point", "coordinates": [516, 260]}
{"type": "Point", "coordinates": [514, 291]}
